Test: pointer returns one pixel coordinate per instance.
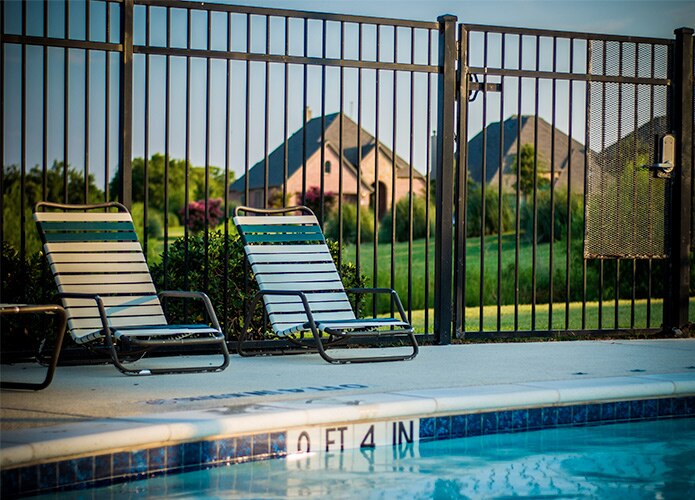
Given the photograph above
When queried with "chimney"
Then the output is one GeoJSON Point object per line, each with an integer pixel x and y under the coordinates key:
{"type": "Point", "coordinates": [307, 114]}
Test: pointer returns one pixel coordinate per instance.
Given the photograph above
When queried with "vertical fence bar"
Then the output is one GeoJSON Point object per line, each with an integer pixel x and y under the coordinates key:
{"type": "Point", "coordinates": [86, 106]}
{"type": "Point", "coordinates": [445, 165]}
{"type": "Point", "coordinates": [377, 204]}
{"type": "Point", "coordinates": [568, 249]}
{"type": "Point", "coordinates": [167, 142]}
{"type": "Point", "coordinates": [125, 155]}
{"type": "Point", "coordinates": [146, 109]}
{"type": "Point", "coordinates": [428, 190]}
{"type": "Point", "coordinates": [2, 123]}
{"type": "Point", "coordinates": [266, 108]}
{"type": "Point", "coordinates": [461, 160]}
{"type": "Point", "coordinates": [500, 188]}
{"type": "Point", "coordinates": [483, 198]}
{"type": "Point", "coordinates": [44, 177]}
{"type": "Point", "coordinates": [358, 223]}
{"type": "Point", "coordinates": [322, 167]}
{"type": "Point", "coordinates": [285, 150]}
{"type": "Point", "coordinates": [23, 136]}
{"type": "Point", "coordinates": [411, 162]}
{"type": "Point", "coordinates": [517, 197]}
{"type": "Point", "coordinates": [551, 248]}
{"type": "Point", "coordinates": [208, 112]}
{"type": "Point", "coordinates": [107, 107]}
{"type": "Point", "coordinates": [66, 117]}
{"type": "Point", "coordinates": [305, 112]}
{"type": "Point", "coordinates": [534, 249]}
{"type": "Point", "coordinates": [676, 297]}
{"type": "Point", "coordinates": [227, 163]}
{"type": "Point", "coordinates": [394, 125]}
{"type": "Point", "coordinates": [341, 147]}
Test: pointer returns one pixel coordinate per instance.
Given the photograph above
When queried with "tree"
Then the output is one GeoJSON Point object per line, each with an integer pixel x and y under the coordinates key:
{"type": "Point", "coordinates": [55, 183]}
{"type": "Point", "coordinates": [527, 159]}
{"type": "Point", "coordinates": [175, 182]}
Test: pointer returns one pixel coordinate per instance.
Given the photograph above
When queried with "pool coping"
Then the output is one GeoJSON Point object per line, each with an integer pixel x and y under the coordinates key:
{"type": "Point", "coordinates": [72, 456]}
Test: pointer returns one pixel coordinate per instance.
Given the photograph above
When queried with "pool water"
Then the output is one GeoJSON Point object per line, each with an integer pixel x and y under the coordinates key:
{"type": "Point", "coordinates": [635, 460]}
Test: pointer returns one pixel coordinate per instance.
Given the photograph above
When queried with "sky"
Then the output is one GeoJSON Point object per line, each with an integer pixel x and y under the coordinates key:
{"type": "Point", "coordinates": [208, 124]}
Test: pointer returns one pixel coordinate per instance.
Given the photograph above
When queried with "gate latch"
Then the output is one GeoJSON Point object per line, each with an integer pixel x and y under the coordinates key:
{"type": "Point", "coordinates": [664, 169]}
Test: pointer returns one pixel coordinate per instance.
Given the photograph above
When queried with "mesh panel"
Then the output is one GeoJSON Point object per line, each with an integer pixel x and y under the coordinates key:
{"type": "Point", "coordinates": [626, 205]}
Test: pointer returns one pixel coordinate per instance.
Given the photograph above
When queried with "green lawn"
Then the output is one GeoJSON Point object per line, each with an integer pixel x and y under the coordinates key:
{"type": "Point", "coordinates": [625, 320]}
{"type": "Point", "coordinates": [416, 300]}
{"type": "Point", "coordinates": [473, 266]}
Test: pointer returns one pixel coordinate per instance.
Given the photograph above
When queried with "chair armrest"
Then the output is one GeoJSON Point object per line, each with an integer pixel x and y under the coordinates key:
{"type": "Point", "coordinates": [182, 294]}
{"type": "Point", "coordinates": [382, 291]}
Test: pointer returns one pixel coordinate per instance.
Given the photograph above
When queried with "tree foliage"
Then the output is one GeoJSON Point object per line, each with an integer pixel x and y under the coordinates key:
{"type": "Point", "coordinates": [57, 180]}
{"type": "Point", "coordinates": [527, 161]}
{"type": "Point", "coordinates": [174, 181]}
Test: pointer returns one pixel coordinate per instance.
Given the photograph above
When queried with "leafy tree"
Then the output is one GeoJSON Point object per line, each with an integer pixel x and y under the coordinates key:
{"type": "Point", "coordinates": [55, 182]}
{"type": "Point", "coordinates": [527, 159]}
{"type": "Point", "coordinates": [176, 182]}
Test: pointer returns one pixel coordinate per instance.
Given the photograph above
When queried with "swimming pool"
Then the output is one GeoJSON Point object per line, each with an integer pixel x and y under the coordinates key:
{"type": "Point", "coordinates": [650, 459]}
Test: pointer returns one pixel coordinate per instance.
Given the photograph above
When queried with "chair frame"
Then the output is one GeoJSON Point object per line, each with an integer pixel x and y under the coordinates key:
{"type": "Point", "coordinates": [10, 309]}
{"type": "Point", "coordinates": [341, 334]}
{"type": "Point", "coordinates": [107, 334]}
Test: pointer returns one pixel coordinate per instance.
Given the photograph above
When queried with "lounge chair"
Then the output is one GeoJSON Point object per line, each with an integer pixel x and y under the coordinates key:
{"type": "Point", "coordinates": [106, 287]}
{"type": "Point", "coordinates": [301, 288]}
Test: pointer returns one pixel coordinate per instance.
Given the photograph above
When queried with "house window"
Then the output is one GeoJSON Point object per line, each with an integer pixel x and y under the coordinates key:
{"type": "Point", "coordinates": [327, 167]}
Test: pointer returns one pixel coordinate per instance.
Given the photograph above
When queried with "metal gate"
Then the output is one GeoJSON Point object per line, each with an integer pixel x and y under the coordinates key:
{"type": "Point", "coordinates": [568, 178]}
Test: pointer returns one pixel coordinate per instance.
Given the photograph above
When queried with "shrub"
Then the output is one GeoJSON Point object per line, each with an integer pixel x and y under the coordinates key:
{"type": "Point", "coordinates": [155, 221]}
{"type": "Point", "coordinates": [313, 201]}
{"type": "Point", "coordinates": [25, 281]}
{"type": "Point", "coordinates": [350, 224]}
{"type": "Point", "coordinates": [197, 216]}
{"type": "Point", "coordinates": [559, 213]}
{"type": "Point", "coordinates": [474, 203]}
{"type": "Point", "coordinates": [419, 220]}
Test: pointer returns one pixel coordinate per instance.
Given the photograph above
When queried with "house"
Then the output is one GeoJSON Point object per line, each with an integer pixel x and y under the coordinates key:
{"type": "Point", "coordinates": [520, 131]}
{"type": "Point", "coordinates": [363, 158]}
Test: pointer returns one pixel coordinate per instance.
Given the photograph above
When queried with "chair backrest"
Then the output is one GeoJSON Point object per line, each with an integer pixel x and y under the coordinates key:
{"type": "Point", "coordinates": [98, 252]}
{"type": "Point", "coordinates": [289, 252]}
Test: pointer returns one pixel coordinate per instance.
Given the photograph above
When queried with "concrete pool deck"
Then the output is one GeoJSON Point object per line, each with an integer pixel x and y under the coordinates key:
{"type": "Point", "coordinates": [95, 409]}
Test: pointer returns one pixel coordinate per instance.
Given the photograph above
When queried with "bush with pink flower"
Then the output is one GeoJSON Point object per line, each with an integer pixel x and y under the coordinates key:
{"type": "Point", "coordinates": [197, 217]}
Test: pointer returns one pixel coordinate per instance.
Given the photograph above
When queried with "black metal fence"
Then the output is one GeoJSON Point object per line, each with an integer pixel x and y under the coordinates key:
{"type": "Point", "coordinates": [447, 161]}
{"type": "Point", "coordinates": [566, 126]}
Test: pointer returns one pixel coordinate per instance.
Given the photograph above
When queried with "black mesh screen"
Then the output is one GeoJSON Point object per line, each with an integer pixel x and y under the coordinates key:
{"type": "Point", "coordinates": [626, 204]}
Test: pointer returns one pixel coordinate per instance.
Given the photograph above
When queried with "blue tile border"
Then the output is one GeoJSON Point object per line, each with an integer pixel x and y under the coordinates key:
{"type": "Point", "coordinates": [106, 469]}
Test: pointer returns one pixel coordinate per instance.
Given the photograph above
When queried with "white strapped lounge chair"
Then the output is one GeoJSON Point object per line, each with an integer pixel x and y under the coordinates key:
{"type": "Point", "coordinates": [106, 288]}
{"type": "Point", "coordinates": [301, 288]}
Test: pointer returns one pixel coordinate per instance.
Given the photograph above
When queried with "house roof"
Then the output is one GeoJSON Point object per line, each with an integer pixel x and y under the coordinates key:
{"type": "Point", "coordinates": [295, 151]}
{"type": "Point", "coordinates": [526, 131]}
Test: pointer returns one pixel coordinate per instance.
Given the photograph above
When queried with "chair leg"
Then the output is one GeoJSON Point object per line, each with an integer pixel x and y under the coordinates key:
{"type": "Point", "coordinates": [367, 359]}
{"type": "Point", "coordinates": [168, 371]}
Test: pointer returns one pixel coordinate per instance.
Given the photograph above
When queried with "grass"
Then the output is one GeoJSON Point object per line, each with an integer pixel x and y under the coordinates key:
{"type": "Point", "coordinates": [591, 316]}
{"type": "Point", "coordinates": [415, 299]}
{"type": "Point", "coordinates": [414, 296]}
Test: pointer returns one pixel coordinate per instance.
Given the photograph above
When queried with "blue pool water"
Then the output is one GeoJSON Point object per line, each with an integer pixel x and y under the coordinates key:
{"type": "Point", "coordinates": [635, 460]}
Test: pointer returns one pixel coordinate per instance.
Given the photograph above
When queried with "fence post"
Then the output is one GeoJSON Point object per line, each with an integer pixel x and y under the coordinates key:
{"type": "Point", "coordinates": [125, 151]}
{"type": "Point", "coordinates": [443, 265]}
{"type": "Point", "coordinates": [676, 298]}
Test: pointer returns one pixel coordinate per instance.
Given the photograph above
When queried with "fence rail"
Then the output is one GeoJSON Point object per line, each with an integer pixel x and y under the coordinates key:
{"type": "Point", "coordinates": [457, 163]}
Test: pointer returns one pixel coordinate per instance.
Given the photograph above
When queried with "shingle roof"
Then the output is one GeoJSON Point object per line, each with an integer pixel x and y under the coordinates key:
{"type": "Point", "coordinates": [295, 151]}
